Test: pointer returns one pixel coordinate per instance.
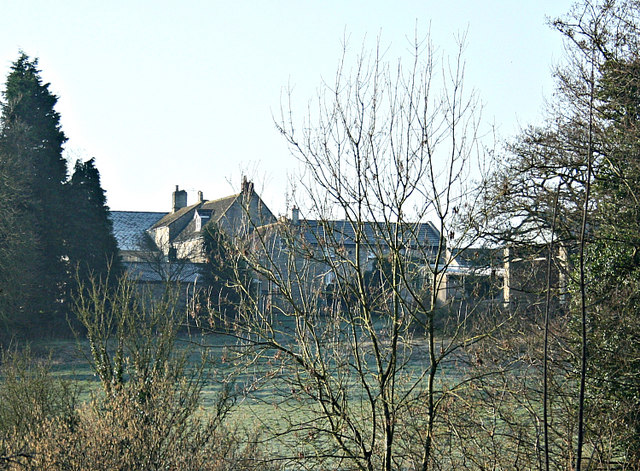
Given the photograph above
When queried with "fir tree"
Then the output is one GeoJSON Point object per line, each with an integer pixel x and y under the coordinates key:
{"type": "Point", "coordinates": [92, 247]}
{"type": "Point", "coordinates": [18, 258]}
{"type": "Point", "coordinates": [31, 144]}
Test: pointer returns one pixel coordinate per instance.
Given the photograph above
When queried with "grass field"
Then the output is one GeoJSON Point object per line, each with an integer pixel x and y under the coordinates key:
{"type": "Point", "coordinates": [260, 404]}
{"type": "Point", "coordinates": [70, 359]}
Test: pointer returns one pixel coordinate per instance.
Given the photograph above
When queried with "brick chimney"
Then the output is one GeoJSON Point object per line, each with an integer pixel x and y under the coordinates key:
{"type": "Point", "coordinates": [200, 197]}
{"type": "Point", "coordinates": [179, 199]}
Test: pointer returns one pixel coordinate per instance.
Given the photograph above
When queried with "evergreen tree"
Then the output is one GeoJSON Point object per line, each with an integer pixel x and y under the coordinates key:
{"type": "Point", "coordinates": [18, 260]}
{"type": "Point", "coordinates": [92, 247]}
{"type": "Point", "coordinates": [31, 144]}
{"type": "Point", "coordinates": [614, 261]}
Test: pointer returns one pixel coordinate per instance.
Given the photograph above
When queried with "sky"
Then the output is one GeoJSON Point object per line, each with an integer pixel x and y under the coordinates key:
{"type": "Point", "coordinates": [165, 93]}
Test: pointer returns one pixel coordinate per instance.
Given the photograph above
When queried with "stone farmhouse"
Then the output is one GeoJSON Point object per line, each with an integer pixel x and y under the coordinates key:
{"type": "Point", "coordinates": [159, 247]}
{"type": "Point", "coordinates": [177, 235]}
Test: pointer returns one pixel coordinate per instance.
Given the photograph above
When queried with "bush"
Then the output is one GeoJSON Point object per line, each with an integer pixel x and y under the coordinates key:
{"type": "Point", "coordinates": [117, 433]}
{"type": "Point", "coordinates": [148, 414]}
{"type": "Point", "coordinates": [29, 397]}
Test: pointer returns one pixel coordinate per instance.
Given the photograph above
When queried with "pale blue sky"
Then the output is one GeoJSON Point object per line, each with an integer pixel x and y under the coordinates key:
{"type": "Point", "coordinates": [183, 92]}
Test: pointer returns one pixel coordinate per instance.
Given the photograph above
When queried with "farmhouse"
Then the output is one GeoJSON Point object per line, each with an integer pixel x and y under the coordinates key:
{"type": "Point", "coordinates": [168, 247]}
{"type": "Point", "coordinates": [178, 235]}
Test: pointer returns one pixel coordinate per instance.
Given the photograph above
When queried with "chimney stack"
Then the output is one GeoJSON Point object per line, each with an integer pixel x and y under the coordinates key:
{"type": "Point", "coordinates": [200, 197]}
{"type": "Point", "coordinates": [295, 216]}
{"type": "Point", "coordinates": [179, 199]}
{"type": "Point", "coordinates": [247, 186]}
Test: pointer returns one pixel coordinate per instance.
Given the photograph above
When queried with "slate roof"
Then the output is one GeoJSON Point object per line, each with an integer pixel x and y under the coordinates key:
{"type": "Point", "coordinates": [204, 213]}
{"type": "Point", "coordinates": [129, 227]}
{"type": "Point", "coordinates": [219, 207]}
{"type": "Point", "coordinates": [215, 208]}
{"type": "Point", "coordinates": [422, 234]}
{"type": "Point", "coordinates": [189, 231]}
{"type": "Point", "coordinates": [169, 218]}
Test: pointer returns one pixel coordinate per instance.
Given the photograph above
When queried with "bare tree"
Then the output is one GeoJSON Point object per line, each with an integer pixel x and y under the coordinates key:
{"type": "Point", "coordinates": [350, 311]}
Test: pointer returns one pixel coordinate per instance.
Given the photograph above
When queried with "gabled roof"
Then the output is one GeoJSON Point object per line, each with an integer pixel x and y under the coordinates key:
{"type": "Point", "coordinates": [209, 211]}
{"type": "Point", "coordinates": [129, 227]}
{"type": "Point", "coordinates": [189, 231]}
{"type": "Point", "coordinates": [204, 213]}
{"type": "Point", "coordinates": [220, 206]}
{"type": "Point", "coordinates": [170, 218]}
{"type": "Point", "coordinates": [217, 209]}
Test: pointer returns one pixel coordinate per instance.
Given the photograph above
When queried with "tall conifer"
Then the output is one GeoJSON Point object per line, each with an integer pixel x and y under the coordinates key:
{"type": "Point", "coordinates": [32, 140]}
{"type": "Point", "coordinates": [92, 247]}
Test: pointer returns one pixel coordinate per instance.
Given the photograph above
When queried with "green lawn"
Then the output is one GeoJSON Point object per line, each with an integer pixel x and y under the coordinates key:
{"type": "Point", "coordinates": [261, 405]}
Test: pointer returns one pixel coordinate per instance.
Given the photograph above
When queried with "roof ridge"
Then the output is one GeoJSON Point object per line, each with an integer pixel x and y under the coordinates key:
{"type": "Point", "coordinates": [223, 198]}
{"type": "Point", "coordinates": [226, 203]}
{"type": "Point", "coordinates": [174, 216]}
{"type": "Point", "coordinates": [130, 211]}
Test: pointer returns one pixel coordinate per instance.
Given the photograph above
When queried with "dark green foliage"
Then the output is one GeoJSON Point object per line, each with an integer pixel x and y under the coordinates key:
{"type": "Point", "coordinates": [619, 176]}
{"type": "Point", "coordinates": [614, 261]}
{"type": "Point", "coordinates": [615, 338]}
{"type": "Point", "coordinates": [91, 245]}
{"type": "Point", "coordinates": [18, 258]}
{"type": "Point", "coordinates": [31, 151]}
{"type": "Point", "coordinates": [49, 228]}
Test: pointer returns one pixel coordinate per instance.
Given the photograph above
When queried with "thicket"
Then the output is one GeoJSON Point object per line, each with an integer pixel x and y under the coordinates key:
{"type": "Point", "coordinates": [569, 186]}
